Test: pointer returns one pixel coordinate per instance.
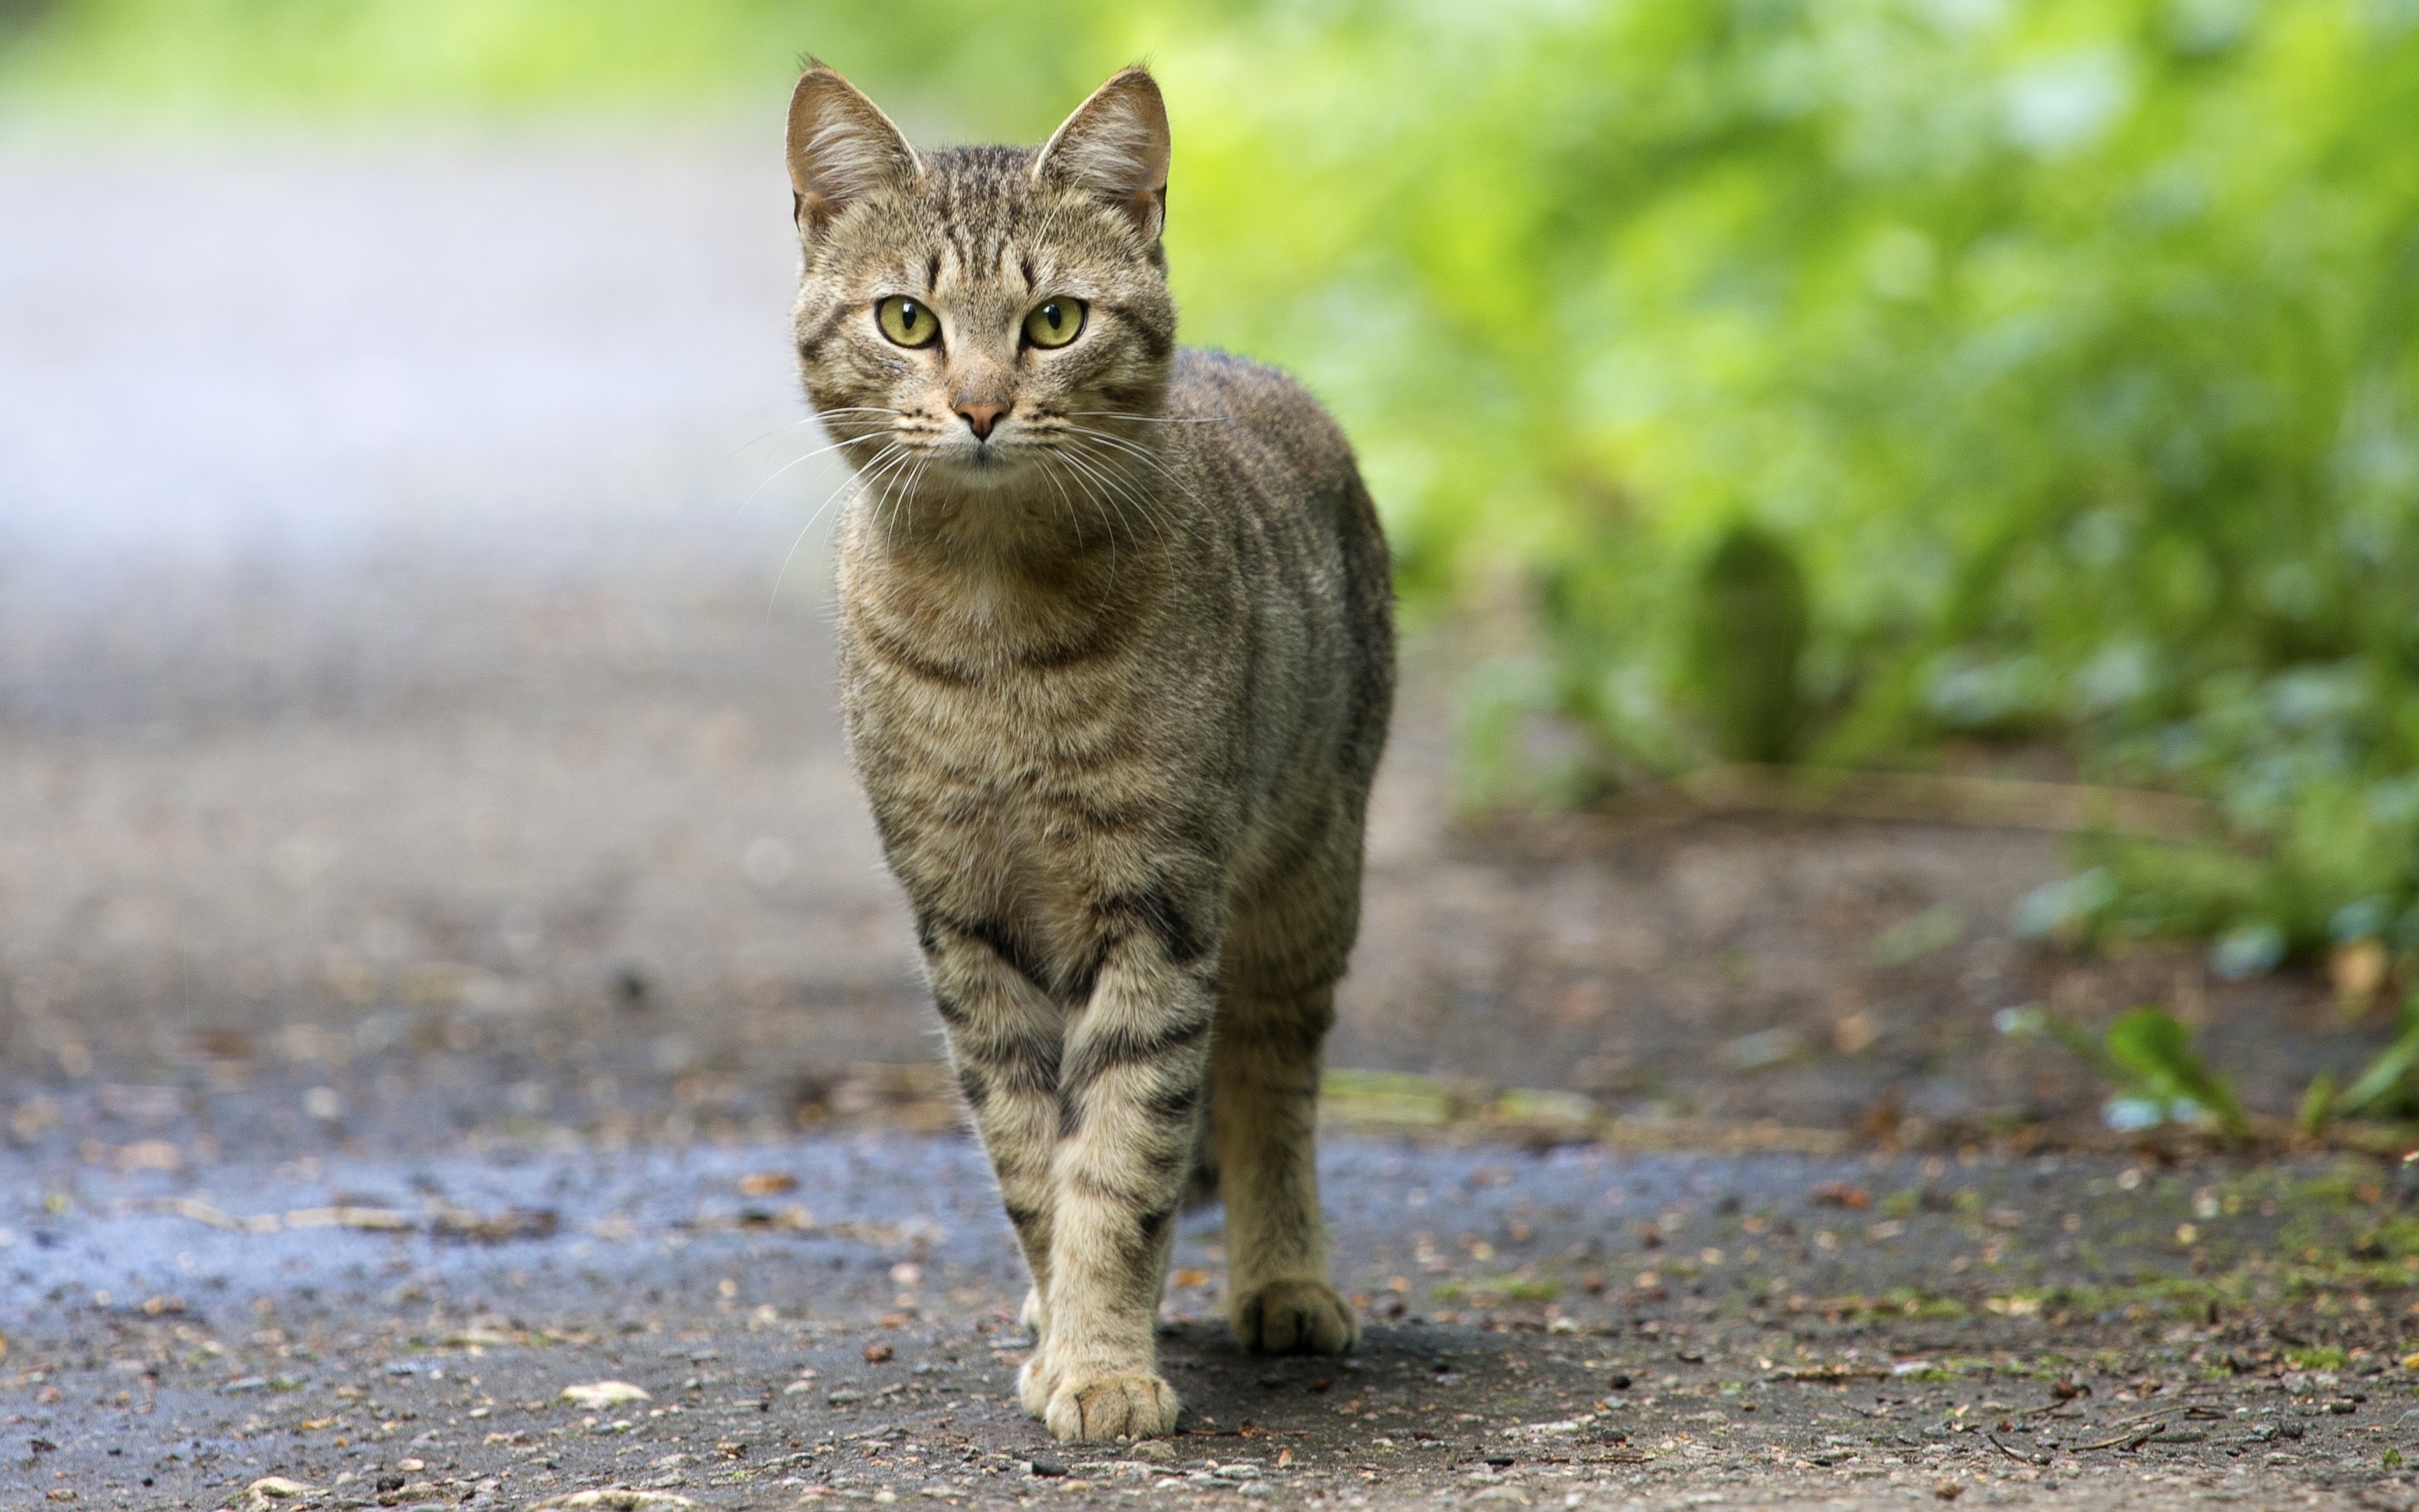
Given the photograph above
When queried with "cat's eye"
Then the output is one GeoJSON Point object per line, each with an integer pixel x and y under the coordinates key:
{"type": "Point", "coordinates": [1054, 322]}
{"type": "Point", "coordinates": [908, 322]}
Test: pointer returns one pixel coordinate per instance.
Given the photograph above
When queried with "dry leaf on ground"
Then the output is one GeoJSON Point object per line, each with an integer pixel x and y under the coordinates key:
{"type": "Point", "coordinates": [605, 1394]}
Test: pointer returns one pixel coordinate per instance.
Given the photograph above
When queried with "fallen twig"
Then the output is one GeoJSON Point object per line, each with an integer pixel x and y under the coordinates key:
{"type": "Point", "coordinates": [1997, 802]}
{"type": "Point", "coordinates": [2131, 1440]}
{"type": "Point", "coordinates": [1830, 1372]}
{"type": "Point", "coordinates": [2016, 1455]}
{"type": "Point", "coordinates": [447, 1223]}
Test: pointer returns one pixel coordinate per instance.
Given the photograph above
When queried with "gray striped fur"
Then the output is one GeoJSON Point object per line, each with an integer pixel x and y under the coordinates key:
{"type": "Point", "coordinates": [1115, 679]}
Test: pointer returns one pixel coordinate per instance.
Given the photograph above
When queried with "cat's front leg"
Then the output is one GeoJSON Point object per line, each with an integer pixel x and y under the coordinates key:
{"type": "Point", "coordinates": [1130, 1094]}
{"type": "Point", "coordinates": [1005, 1043]}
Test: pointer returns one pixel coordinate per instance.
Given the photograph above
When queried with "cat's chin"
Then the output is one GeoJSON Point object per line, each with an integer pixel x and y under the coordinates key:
{"type": "Point", "coordinates": [987, 474]}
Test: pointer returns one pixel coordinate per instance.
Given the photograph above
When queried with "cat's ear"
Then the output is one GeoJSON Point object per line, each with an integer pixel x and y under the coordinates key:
{"type": "Point", "coordinates": [1115, 148]}
{"type": "Point", "coordinates": [842, 148]}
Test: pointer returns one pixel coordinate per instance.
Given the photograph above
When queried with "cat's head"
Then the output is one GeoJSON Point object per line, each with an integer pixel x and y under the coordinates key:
{"type": "Point", "coordinates": [984, 320]}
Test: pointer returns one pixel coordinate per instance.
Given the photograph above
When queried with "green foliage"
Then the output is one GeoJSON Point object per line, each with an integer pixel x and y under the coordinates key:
{"type": "Point", "coordinates": [2390, 1084]}
{"type": "Point", "coordinates": [1747, 638]}
{"type": "Point", "coordinates": [2147, 1057]}
{"type": "Point", "coordinates": [2064, 350]}
{"type": "Point", "coordinates": [384, 59]}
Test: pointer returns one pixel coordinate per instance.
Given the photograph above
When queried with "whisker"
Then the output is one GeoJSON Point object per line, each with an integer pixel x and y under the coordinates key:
{"type": "Point", "coordinates": [780, 429]}
{"type": "Point", "coordinates": [1150, 420]}
{"type": "Point", "coordinates": [1092, 495]}
{"type": "Point", "coordinates": [1108, 465]}
{"type": "Point", "coordinates": [801, 537]}
{"type": "Point", "coordinates": [1137, 451]}
{"type": "Point", "coordinates": [823, 450]}
{"type": "Point", "coordinates": [1117, 491]}
{"type": "Point", "coordinates": [878, 483]}
{"type": "Point", "coordinates": [1074, 516]}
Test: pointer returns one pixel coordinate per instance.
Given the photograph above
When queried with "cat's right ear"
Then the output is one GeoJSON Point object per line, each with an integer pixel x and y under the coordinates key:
{"type": "Point", "coordinates": [842, 148]}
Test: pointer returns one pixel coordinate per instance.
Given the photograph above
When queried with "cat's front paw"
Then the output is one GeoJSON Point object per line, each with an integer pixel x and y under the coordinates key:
{"type": "Point", "coordinates": [1034, 1317]}
{"type": "Point", "coordinates": [1036, 1380]}
{"type": "Point", "coordinates": [1111, 1407]}
{"type": "Point", "coordinates": [1294, 1318]}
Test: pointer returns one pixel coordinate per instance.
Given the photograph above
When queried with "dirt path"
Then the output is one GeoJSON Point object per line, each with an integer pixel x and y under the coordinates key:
{"type": "Point", "coordinates": [831, 1319]}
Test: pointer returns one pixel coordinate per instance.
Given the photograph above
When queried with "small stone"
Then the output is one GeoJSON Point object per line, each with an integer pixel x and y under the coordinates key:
{"type": "Point", "coordinates": [599, 1394]}
{"type": "Point", "coordinates": [1050, 1468]}
{"type": "Point", "coordinates": [877, 1354]}
{"type": "Point", "coordinates": [1948, 1490]}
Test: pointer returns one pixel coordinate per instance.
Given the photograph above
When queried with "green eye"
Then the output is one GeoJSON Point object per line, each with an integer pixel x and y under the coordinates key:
{"type": "Point", "coordinates": [908, 322]}
{"type": "Point", "coordinates": [1054, 322]}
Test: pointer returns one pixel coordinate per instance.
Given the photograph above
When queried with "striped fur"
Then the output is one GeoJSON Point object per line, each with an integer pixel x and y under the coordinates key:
{"type": "Point", "coordinates": [1116, 678]}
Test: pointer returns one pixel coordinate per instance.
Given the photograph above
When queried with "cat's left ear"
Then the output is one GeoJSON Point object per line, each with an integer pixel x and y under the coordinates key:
{"type": "Point", "coordinates": [1115, 148]}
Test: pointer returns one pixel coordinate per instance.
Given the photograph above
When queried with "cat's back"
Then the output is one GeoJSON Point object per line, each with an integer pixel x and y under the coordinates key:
{"type": "Point", "coordinates": [1241, 423]}
{"type": "Point", "coordinates": [1271, 472]}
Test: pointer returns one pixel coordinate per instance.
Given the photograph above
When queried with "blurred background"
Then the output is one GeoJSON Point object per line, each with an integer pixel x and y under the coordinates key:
{"type": "Point", "coordinates": [414, 663]}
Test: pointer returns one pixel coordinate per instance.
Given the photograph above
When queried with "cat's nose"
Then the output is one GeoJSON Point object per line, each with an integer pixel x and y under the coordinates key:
{"type": "Point", "coordinates": [980, 418]}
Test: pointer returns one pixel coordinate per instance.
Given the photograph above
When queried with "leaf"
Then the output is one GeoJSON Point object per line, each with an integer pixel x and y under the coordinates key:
{"type": "Point", "coordinates": [2157, 1049]}
{"type": "Point", "coordinates": [2317, 1102]}
{"type": "Point", "coordinates": [2383, 1074]}
{"type": "Point", "coordinates": [605, 1394]}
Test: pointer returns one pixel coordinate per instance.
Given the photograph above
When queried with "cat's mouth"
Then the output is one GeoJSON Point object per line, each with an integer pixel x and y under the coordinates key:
{"type": "Point", "coordinates": [986, 462]}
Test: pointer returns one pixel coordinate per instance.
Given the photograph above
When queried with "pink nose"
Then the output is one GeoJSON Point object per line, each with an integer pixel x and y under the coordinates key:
{"type": "Point", "coordinates": [980, 418]}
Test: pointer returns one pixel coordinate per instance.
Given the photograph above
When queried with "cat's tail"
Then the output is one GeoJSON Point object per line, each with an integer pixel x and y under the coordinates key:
{"type": "Point", "coordinates": [1201, 1186]}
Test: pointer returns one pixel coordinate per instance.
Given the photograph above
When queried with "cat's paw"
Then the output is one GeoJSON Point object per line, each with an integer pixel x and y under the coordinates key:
{"type": "Point", "coordinates": [1034, 1317]}
{"type": "Point", "coordinates": [1036, 1380]}
{"type": "Point", "coordinates": [1294, 1318]}
{"type": "Point", "coordinates": [1111, 1407]}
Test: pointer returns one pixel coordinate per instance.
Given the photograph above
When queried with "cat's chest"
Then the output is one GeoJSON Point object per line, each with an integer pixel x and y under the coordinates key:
{"type": "Point", "coordinates": [1035, 799]}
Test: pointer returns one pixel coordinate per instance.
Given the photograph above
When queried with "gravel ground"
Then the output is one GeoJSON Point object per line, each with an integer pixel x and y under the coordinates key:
{"type": "Point", "coordinates": [1572, 1327]}
{"type": "Point", "coordinates": [437, 925]}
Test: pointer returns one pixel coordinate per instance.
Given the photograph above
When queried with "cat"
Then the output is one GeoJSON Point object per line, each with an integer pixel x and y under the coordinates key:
{"type": "Point", "coordinates": [1117, 658]}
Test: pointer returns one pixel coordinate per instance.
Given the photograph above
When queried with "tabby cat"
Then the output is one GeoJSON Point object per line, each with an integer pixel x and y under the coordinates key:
{"type": "Point", "coordinates": [1116, 656]}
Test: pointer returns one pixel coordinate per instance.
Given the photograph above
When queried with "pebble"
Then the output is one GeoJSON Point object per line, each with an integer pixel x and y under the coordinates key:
{"type": "Point", "coordinates": [596, 1394]}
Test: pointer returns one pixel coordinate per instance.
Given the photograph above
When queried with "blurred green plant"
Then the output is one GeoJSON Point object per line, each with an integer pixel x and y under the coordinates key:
{"type": "Point", "coordinates": [2147, 1056]}
{"type": "Point", "coordinates": [2388, 1086]}
{"type": "Point", "coordinates": [1826, 378]}
{"type": "Point", "coordinates": [1746, 638]}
